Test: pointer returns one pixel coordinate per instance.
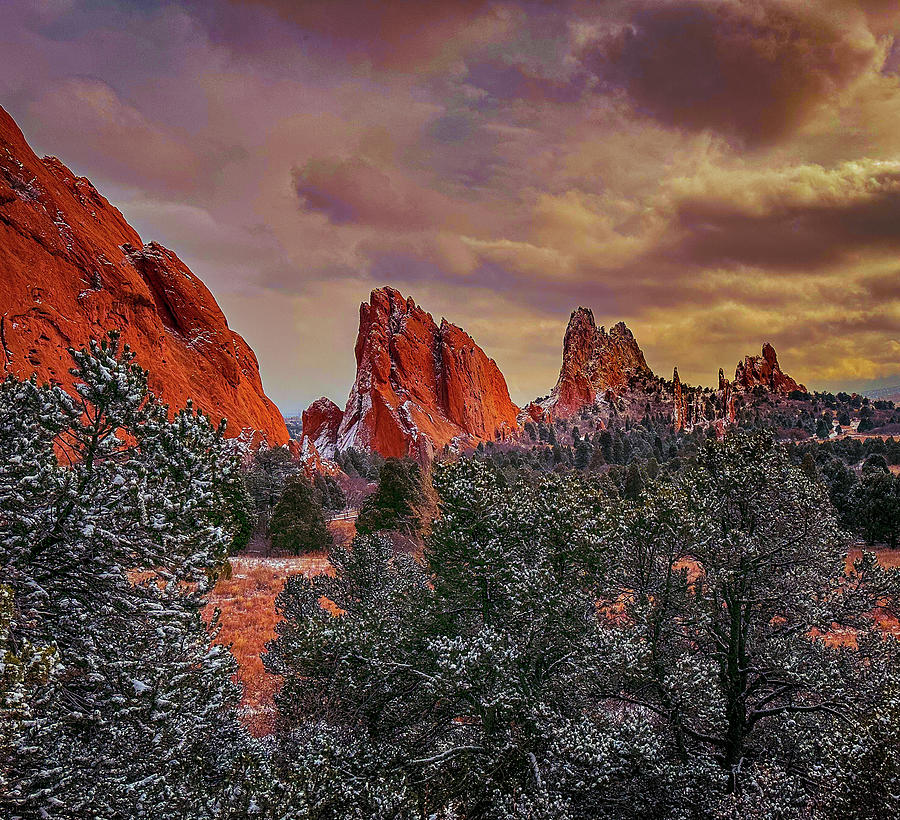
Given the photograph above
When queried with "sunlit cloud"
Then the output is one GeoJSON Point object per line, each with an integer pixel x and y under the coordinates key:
{"type": "Point", "coordinates": [717, 173]}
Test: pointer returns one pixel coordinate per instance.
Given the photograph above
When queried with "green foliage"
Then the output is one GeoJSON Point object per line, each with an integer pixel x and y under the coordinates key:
{"type": "Point", "coordinates": [875, 502]}
{"type": "Point", "coordinates": [808, 466]}
{"type": "Point", "coordinates": [728, 659]}
{"type": "Point", "coordinates": [265, 479]}
{"type": "Point", "coordinates": [360, 463]}
{"type": "Point", "coordinates": [237, 513]}
{"type": "Point", "coordinates": [865, 424]}
{"type": "Point", "coordinates": [559, 653]}
{"type": "Point", "coordinates": [330, 492]}
{"type": "Point", "coordinates": [634, 482]}
{"type": "Point", "coordinates": [298, 521]}
{"type": "Point", "coordinates": [27, 677]}
{"type": "Point", "coordinates": [459, 678]}
{"type": "Point", "coordinates": [583, 453]}
{"type": "Point", "coordinates": [113, 522]}
{"type": "Point", "coordinates": [860, 769]}
{"type": "Point", "coordinates": [393, 505]}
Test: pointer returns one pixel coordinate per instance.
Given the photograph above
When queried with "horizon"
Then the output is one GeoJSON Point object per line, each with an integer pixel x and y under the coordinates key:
{"type": "Point", "coordinates": [501, 163]}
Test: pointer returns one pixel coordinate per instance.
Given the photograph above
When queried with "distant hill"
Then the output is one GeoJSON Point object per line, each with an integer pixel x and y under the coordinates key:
{"type": "Point", "coordinates": [884, 394]}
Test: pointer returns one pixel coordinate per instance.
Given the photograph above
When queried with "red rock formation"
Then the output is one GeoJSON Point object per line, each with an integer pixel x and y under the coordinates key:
{"type": "Point", "coordinates": [72, 268]}
{"type": "Point", "coordinates": [321, 421]}
{"type": "Point", "coordinates": [534, 412]}
{"type": "Point", "coordinates": [420, 386]}
{"type": "Point", "coordinates": [311, 462]}
{"type": "Point", "coordinates": [764, 371]}
{"type": "Point", "coordinates": [679, 413]}
{"type": "Point", "coordinates": [594, 361]}
{"type": "Point", "coordinates": [726, 398]}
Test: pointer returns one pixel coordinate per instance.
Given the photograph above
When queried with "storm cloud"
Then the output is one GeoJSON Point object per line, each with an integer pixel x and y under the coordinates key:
{"type": "Point", "coordinates": [754, 71]}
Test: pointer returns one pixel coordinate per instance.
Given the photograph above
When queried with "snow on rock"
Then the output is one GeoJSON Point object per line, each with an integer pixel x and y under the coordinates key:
{"type": "Point", "coordinates": [58, 234]}
{"type": "Point", "coordinates": [594, 362]}
{"type": "Point", "coordinates": [764, 371]}
{"type": "Point", "coordinates": [311, 460]}
{"type": "Point", "coordinates": [321, 422]}
{"type": "Point", "coordinates": [420, 386]}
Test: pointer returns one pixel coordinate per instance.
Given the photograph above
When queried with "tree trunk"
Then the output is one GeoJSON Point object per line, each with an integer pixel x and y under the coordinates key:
{"type": "Point", "coordinates": [734, 688]}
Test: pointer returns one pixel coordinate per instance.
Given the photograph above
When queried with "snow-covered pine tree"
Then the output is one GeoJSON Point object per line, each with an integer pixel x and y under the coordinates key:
{"type": "Point", "coordinates": [114, 520]}
{"type": "Point", "coordinates": [467, 686]}
{"type": "Point", "coordinates": [559, 654]}
{"type": "Point", "coordinates": [27, 675]}
{"type": "Point", "coordinates": [731, 576]}
{"type": "Point", "coordinates": [351, 699]}
{"type": "Point", "coordinates": [520, 650]}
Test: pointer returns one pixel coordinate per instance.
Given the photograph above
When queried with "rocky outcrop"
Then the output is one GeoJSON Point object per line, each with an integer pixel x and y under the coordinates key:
{"type": "Point", "coordinates": [534, 411]}
{"type": "Point", "coordinates": [594, 362]}
{"type": "Point", "coordinates": [419, 385]}
{"type": "Point", "coordinates": [764, 371]}
{"type": "Point", "coordinates": [71, 268]}
{"type": "Point", "coordinates": [321, 422]}
{"type": "Point", "coordinates": [679, 410]}
{"type": "Point", "coordinates": [726, 399]}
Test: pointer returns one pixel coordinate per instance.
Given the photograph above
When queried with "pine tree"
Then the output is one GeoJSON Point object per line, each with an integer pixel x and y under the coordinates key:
{"type": "Point", "coordinates": [618, 449]}
{"type": "Point", "coordinates": [392, 506]}
{"type": "Point", "coordinates": [597, 460]}
{"type": "Point", "coordinates": [808, 466]}
{"type": "Point", "coordinates": [114, 521]}
{"type": "Point", "coordinates": [634, 482]}
{"type": "Point", "coordinates": [729, 571]}
{"type": "Point", "coordinates": [266, 477]}
{"type": "Point", "coordinates": [583, 453]}
{"type": "Point", "coordinates": [28, 677]}
{"type": "Point", "coordinates": [859, 772]}
{"type": "Point", "coordinates": [555, 653]}
{"type": "Point", "coordinates": [330, 492]}
{"type": "Point", "coordinates": [298, 521]}
{"type": "Point", "coordinates": [875, 505]}
{"type": "Point", "coordinates": [462, 687]}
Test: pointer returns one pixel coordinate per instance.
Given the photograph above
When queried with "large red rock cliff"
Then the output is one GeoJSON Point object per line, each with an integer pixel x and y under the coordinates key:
{"type": "Point", "coordinates": [764, 371]}
{"type": "Point", "coordinates": [594, 361]}
{"type": "Point", "coordinates": [420, 385]}
{"type": "Point", "coordinates": [71, 268]}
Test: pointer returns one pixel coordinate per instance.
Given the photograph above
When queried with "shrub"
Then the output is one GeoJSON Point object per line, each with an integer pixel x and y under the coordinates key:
{"type": "Point", "coordinates": [392, 506]}
{"type": "Point", "coordinates": [298, 521]}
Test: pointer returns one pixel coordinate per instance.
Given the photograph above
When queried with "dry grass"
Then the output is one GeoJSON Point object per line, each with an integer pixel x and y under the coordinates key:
{"type": "Point", "coordinates": [888, 558]}
{"type": "Point", "coordinates": [246, 602]}
{"type": "Point", "coordinates": [343, 532]}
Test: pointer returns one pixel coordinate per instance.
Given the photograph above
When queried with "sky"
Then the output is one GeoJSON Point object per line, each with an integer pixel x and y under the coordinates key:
{"type": "Point", "coordinates": [716, 173]}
